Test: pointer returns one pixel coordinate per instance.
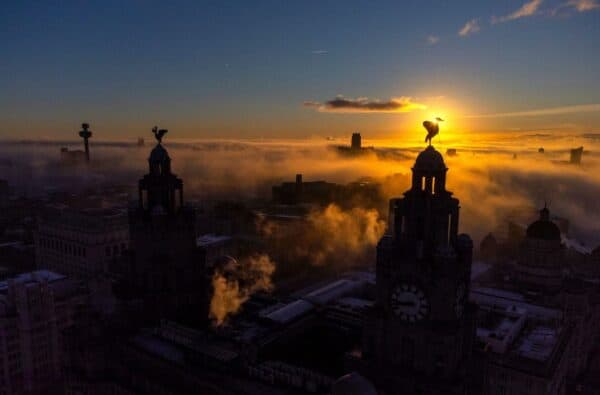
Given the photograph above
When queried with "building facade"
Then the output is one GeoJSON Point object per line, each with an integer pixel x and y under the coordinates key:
{"type": "Point", "coordinates": [35, 309]}
{"type": "Point", "coordinates": [166, 268]}
{"type": "Point", "coordinates": [80, 243]}
{"type": "Point", "coordinates": [419, 335]}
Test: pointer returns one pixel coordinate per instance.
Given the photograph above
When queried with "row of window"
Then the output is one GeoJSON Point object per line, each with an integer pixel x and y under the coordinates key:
{"type": "Point", "coordinates": [58, 245]}
{"type": "Point", "coordinates": [78, 251]}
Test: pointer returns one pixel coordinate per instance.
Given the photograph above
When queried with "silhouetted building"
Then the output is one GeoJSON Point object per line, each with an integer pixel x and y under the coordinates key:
{"type": "Point", "coordinates": [167, 269]}
{"type": "Point", "coordinates": [363, 193]}
{"type": "Point", "coordinates": [576, 154]}
{"type": "Point", "coordinates": [541, 263]}
{"type": "Point", "coordinates": [488, 248]}
{"type": "Point", "coordinates": [419, 335]}
{"type": "Point", "coordinates": [356, 143]}
{"type": "Point", "coordinates": [80, 242]}
{"type": "Point", "coordinates": [35, 309]}
{"type": "Point", "coordinates": [355, 147]}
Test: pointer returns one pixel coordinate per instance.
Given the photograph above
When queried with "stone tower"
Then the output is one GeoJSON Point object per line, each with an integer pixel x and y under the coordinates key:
{"type": "Point", "coordinates": [419, 335]}
{"type": "Point", "coordinates": [167, 268]}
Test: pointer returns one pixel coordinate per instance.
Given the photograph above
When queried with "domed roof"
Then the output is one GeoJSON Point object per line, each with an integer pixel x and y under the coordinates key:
{"type": "Point", "coordinates": [543, 228]}
{"type": "Point", "coordinates": [489, 240]}
{"type": "Point", "coordinates": [353, 384]}
{"type": "Point", "coordinates": [430, 159]}
{"type": "Point", "coordinates": [159, 154]}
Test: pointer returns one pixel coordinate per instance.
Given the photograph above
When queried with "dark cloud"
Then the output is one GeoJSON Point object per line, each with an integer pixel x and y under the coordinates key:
{"type": "Point", "coordinates": [366, 105]}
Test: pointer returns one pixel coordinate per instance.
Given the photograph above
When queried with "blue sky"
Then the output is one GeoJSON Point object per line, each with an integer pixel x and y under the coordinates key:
{"type": "Point", "coordinates": [245, 68]}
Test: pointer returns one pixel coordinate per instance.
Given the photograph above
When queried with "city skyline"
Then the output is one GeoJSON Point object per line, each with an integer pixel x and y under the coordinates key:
{"type": "Point", "coordinates": [269, 70]}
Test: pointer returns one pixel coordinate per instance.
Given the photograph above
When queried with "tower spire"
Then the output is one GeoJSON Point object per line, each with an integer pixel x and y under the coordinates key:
{"type": "Point", "coordinates": [85, 134]}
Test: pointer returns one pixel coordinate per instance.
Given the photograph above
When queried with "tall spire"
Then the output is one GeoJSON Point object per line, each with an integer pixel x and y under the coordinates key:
{"type": "Point", "coordinates": [86, 134]}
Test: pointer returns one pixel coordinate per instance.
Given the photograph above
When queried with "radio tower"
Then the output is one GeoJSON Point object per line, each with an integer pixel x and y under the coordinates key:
{"type": "Point", "coordinates": [85, 134]}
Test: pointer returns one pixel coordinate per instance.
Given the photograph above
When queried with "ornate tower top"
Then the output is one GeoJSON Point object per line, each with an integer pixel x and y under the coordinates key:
{"type": "Point", "coordinates": [159, 133]}
{"type": "Point", "coordinates": [159, 188]}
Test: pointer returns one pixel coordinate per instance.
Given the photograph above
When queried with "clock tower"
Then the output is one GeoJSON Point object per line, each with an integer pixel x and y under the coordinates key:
{"type": "Point", "coordinates": [419, 334]}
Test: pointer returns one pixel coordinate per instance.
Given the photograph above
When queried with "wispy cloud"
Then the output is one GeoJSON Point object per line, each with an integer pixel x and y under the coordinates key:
{"type": "Point", "coordinates": [320, 52]}
{"type": "Point", "coordinates": [577, 5]}
{"type": "Point", "coordinates": [543, 111]}
{"type": "Point", "coordinates": [528, 9]}
{"type": "Point", "coordinates": [365, 105]}
{"type": "Point", "coordinates": [432, 40]}
{"type": "Point", "coordinates": [469, 28]}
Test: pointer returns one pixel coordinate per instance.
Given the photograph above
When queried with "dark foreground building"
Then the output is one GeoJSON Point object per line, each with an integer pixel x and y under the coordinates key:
{"type": "Point", "coordinates": [419, 334]}
{"type": "Point", "coordinates": [166, 269]}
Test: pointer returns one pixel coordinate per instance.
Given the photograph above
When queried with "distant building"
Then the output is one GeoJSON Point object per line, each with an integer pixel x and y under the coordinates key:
{"type": "Point", "coordinates": [356, 143]}
{"type": "Point", "coordinates": [576, 154]}
{"type": "Point", "coordinates": [72, 157]}
{"type": "Point", "coordinates": [541, 263]}
{"type": "Point", "coordinates": [80, 242]}
{"type": "Point", "coordinates": [35, 309]}
{"type": "Point", "coordinates": [355, 147]}
{"type": "Point", "coordinates": [525, 347]}
{"type": "Point", "coordinates": [323, 193]}
{"type": "Point", "coordinates": [488, 248]}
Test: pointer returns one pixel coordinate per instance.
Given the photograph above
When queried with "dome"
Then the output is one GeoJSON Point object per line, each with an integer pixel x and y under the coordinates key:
{"type": "Point", "coordinates": [430, 159]}
{"type": "Point", "coordinates": [543, 228]}
{"type": "Point", "coordinates": [353, 384]}
{"type": "Point", "coordinates": [488, 241]}
{"type": "Point", "coordinates": [159, 154]}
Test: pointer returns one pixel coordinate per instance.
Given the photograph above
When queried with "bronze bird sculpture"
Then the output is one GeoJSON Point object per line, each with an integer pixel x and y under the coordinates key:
{"type": "Point", "coordinates": [159, 133]}
{"type": "Point", "coordinates": [432, 129]}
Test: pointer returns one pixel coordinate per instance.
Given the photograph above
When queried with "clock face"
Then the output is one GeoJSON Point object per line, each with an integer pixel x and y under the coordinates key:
{"type": "Point", "coordinates": [409, 303]}
{"type": "Point", "coordinates": [460, 299]}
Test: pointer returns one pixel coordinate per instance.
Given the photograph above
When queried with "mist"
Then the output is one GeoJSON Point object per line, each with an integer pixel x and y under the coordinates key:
{"type": "Point", "coordinates": [483, 174]}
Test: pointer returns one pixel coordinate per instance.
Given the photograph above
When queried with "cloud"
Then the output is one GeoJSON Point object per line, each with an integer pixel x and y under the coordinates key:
{"type": "Point", "coordinates": [543, 111]}
{"type": "Point", "coordinates": [320, 52]}
{"type": "Point", "coordinates": [528, 9]}
{"type": "Point", "coordinates": [582, 5]}
{"type": "Point", "coordinates": [432, 40]}
{"type": "Point", "coordinates": [365, 105]}
{"type": "Point", "coordinates": [577, 5]}
{"type": "Point", "coordinates": [469, 28]}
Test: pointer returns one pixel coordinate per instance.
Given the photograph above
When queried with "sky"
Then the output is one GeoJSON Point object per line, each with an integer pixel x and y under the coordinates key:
{"type": "Point", "coordinates": [298, 69]}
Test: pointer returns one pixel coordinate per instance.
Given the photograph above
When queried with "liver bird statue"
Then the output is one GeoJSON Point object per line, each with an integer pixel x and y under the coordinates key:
{"type": "Point", "coordinates": [433, 128]}
{"type": "Point", "coordinates": [159, 133]}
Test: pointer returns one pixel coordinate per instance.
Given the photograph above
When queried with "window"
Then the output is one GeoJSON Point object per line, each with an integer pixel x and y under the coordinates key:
{"type": "Point", "coordinates": [433, 186]}
{"type": "Point", "coordinates": [422, 183]}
